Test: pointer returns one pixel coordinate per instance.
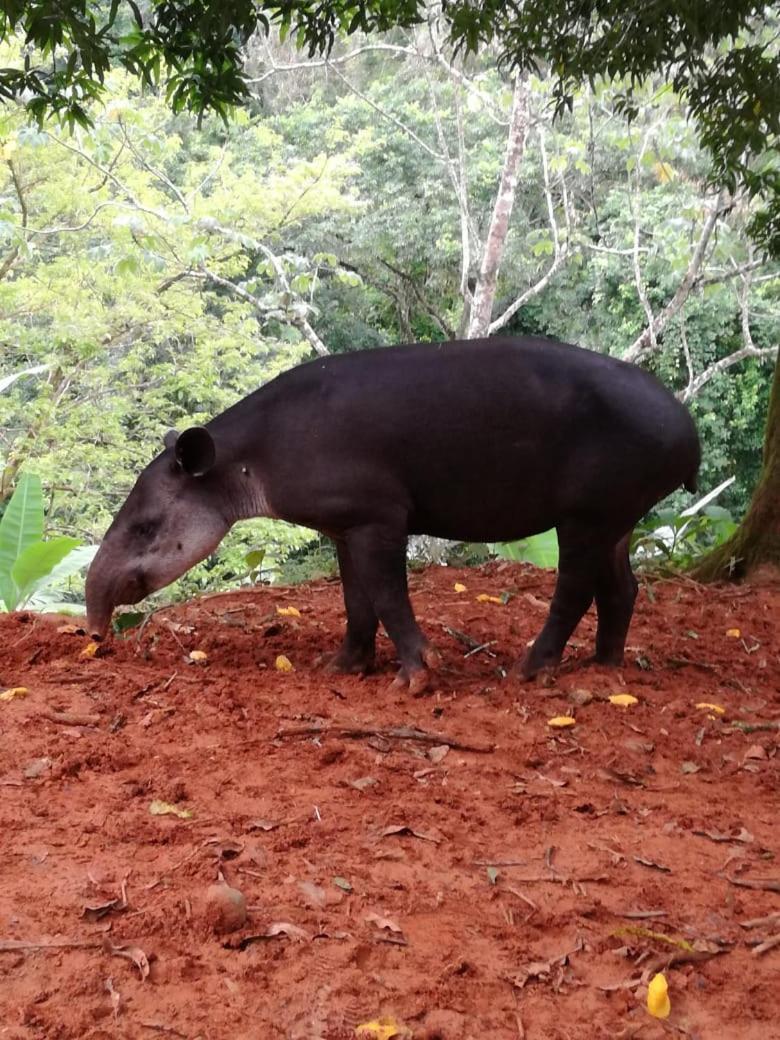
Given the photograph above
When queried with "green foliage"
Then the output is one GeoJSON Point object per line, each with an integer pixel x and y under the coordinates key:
{"type": "Point", "coordinates": [667, 537]}
{"type": "Point", "coordinates": [540, 549]}
{"type": "Point", "coordinates": [28, 564]}
{"type": "Point", "coordinates": [151, 273]}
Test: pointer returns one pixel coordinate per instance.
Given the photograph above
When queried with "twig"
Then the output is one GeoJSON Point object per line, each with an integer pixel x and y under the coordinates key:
{"type": "Point", "coordinates": [753, 727]}
{"type": "Point", "coordinates": [768, 944]}
{"type": "Point", "coordinates": [639, 915]}
{"type": "Point", "coordinates": [759, 922]}
{"type": "Point", "coordinates": [520, 895]}
{"type": "Point", "coordinates": [390, 733]}
{"type": "Point", "coordinates": [16, 945]}
{"type": "Point", "coordinates": [70, 718]}
{"type": "Point", "coordinates": [760, 884]}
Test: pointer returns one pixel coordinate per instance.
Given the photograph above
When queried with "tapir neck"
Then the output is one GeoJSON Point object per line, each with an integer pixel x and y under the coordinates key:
{"type": "Point", "coordinates": [247, 498]}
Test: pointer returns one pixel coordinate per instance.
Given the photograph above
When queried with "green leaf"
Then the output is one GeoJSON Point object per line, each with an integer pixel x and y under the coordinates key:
{"type": "Point", "coordinates": [254, 559]}
{"type": "Point", "coordinates": [541, 550]}
{"type": "Point", "coordinates": [21, 525]}
{"type": "Point", "coordinates": [36, 563]}
{"type": "Point", "coordinates": [130, 619]}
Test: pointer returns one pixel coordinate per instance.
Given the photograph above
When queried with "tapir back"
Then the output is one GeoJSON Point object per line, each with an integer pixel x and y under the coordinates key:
{"type": "Point", "coordinates": [474, 440]}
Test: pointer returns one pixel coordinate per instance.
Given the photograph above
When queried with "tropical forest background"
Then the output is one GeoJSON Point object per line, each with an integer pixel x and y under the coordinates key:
{"type": "Point", "coordinates": [153, 269]}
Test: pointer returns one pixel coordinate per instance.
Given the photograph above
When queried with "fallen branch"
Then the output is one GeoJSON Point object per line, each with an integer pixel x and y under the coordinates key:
{"type": "Point", "coordinates": [389, 733]}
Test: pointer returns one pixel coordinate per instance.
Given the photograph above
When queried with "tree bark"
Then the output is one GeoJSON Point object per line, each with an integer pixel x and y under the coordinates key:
{"type": "Point", "coordinates": [756, 542]}
{"type": "Point", "coordinates": [482, 307]}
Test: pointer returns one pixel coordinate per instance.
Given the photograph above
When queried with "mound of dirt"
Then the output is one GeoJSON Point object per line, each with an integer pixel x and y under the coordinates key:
{"type": "Point", "coordinates": [451, 862]}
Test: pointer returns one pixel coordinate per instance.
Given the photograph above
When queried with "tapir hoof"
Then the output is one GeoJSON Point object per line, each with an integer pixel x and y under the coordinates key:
{"type": "Point", "coordinates": [416, 678]}
{"type": "Point", "coordinates": [532, 668]}
{"type": "Point", "coordinates": [347, 662]}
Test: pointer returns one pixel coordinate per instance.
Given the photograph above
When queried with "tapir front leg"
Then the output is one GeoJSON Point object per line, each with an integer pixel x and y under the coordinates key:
{"type": "Point", "coordinates": [378, 554]}
{"type": "Point", "coordinates": [356, 655]}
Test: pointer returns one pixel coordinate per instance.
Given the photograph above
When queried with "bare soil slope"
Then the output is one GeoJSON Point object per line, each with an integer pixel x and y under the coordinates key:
{"type": "Point", "coordinates": [526, 888]}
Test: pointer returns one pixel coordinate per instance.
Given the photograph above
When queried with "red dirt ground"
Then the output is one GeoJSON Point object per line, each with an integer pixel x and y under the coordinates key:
{"type": "Point", "coordinates": [544, 874]}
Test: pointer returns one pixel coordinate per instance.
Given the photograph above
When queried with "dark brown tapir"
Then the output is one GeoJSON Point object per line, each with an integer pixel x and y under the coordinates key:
{"type": "Point", "coordinates": [485, 440]}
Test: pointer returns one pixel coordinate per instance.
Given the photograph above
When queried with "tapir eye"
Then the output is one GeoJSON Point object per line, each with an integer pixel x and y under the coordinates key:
{"type": "Point", "coordinates": [145, 528]}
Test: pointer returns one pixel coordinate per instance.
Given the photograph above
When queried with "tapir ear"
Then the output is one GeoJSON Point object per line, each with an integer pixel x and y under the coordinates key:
{"type": "Point", "coordinates": [170, 438]}
{"type": "Point", "coordinates": [195, 451]}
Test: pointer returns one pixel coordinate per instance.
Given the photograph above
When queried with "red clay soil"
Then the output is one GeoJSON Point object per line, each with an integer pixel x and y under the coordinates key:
{"type": "Point", "coordinates": [526, 888]}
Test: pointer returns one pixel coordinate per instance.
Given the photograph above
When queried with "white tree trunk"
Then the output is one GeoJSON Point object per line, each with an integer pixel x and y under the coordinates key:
{"type": "Point", "coordinates": [493, 254]}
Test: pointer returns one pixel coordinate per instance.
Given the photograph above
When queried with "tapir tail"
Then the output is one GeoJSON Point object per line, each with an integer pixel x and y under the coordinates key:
{"type": "Point", "coordinates": [691, 484]}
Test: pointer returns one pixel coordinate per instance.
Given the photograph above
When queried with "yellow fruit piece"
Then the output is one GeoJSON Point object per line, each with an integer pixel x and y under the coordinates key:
{"type": "Point", "coordinates": [705, 706]}
{"type": "Point", "coordinates": [623, 700]}
{"type": "Point", "coordinates": [733, 633]}
{"type": "Point", "coordinates": [658, 1003]}
{"type": "Point", "coordinates": [288, 612]}
{"type": "Point", "coordinates": [284, 664]}
{"type": "Point", "coordinates": [459, 587]}
{"type": "Point", "coordinates": [13, 693]}
{"type": "Point", "coordinates": [158, 808]}
{"type": "Point", "coordinates": [89, 650]}
{"type": "Point", "coordinates": [382, 1029]}
{"type": "Point", "coordinates": [198, 655]}
{"type": "Point", "coordinates": [561, 721]}
{"type": "Point", "coordinates": [484, 598]}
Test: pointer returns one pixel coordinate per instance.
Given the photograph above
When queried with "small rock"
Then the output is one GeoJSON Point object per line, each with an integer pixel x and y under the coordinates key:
{"type": "Point", "coordinates": [225, 908]}
{"type": "Point", "coordinates": [37, 768]}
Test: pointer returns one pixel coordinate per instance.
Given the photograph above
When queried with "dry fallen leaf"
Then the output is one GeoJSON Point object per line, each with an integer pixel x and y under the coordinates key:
{"type": "Point", "coordinates": [755, 751]}
{"type": "Point", "coordinates": [733, 633]}
{"type": "Point", "coordinates": [90, 650]}
{"type": "Point", "coordinates": [292, 931]}
{"type": "Point", "coordinates": [623, 700]}
{"type": "Point", "coordinates": [14, 693]}
{"type": "Point", "coordinates": [384, 923]}
{"type": "Point", "coordinates": [484, 598]}
{"type": "Point", "coordinates": [262, 825]}
{"type": "Point", "coordinates": [198, 656]}
{"type": "Point", "coordinates": [403, 828]}
{"type": "Point", "coordinates": [288, 612]}
{"type": "Point", "coordinates": [438, 752]}
{"type": "Point", "coordinates": [363, 782]}
{"type": "Point", "coordinates": [284, 664]}
{"type": "Point", "coordinates": [130, 953]}
{"type": "Point", "coordinates": [561, 721]}
{"type": "Point", "coordinates": [706, 706]}
{"type": "Point", "coordinates": [314, 896]}
{"type": "Point", "coordinates": [159, 808]}
{"type": "Point", "coordinates": [459, 587]}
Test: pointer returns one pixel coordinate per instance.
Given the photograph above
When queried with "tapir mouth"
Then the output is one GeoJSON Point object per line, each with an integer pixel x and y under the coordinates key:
{"type": "Point", "coordinates": [103, 595]}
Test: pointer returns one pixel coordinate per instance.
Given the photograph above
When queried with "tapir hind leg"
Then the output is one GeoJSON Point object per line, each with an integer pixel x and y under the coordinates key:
{"type": "Point", "coordinates": [356, 654]}
{"type": "Point", "coordinates": [574, 591]}
{"type": "Point", "coordinates": [378, 554]}
{"type": "Point", "coordinates": [616, 589]}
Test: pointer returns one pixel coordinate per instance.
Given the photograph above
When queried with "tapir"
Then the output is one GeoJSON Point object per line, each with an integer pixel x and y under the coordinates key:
{"type": "Point", "coordinates": [483, 440]}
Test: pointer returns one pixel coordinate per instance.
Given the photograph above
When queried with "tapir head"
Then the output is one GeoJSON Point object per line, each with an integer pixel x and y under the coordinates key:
{"type": "Point", "coordinates": [177, 513]}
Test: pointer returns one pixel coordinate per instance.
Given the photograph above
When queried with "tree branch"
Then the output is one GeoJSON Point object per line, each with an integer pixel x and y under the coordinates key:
{"type": "Point", "coordinates": [481, 311]}
{"type": "Point", "coordinates": [646, 342]}
{"type": "Point", "coordinates": [748, 350]}
{"type": "Point", "coordinates": [318, 63]}
{"type": "Point", "coordinates": [389, 116]}
{"type": "Point", "coordinates": [560, 250]}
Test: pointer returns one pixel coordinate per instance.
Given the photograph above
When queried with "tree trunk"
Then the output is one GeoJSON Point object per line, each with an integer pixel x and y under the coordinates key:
{"type": "Point", "coordinates": [756, 541]}
{"type": "Point", "coordinates": [484, 295]}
